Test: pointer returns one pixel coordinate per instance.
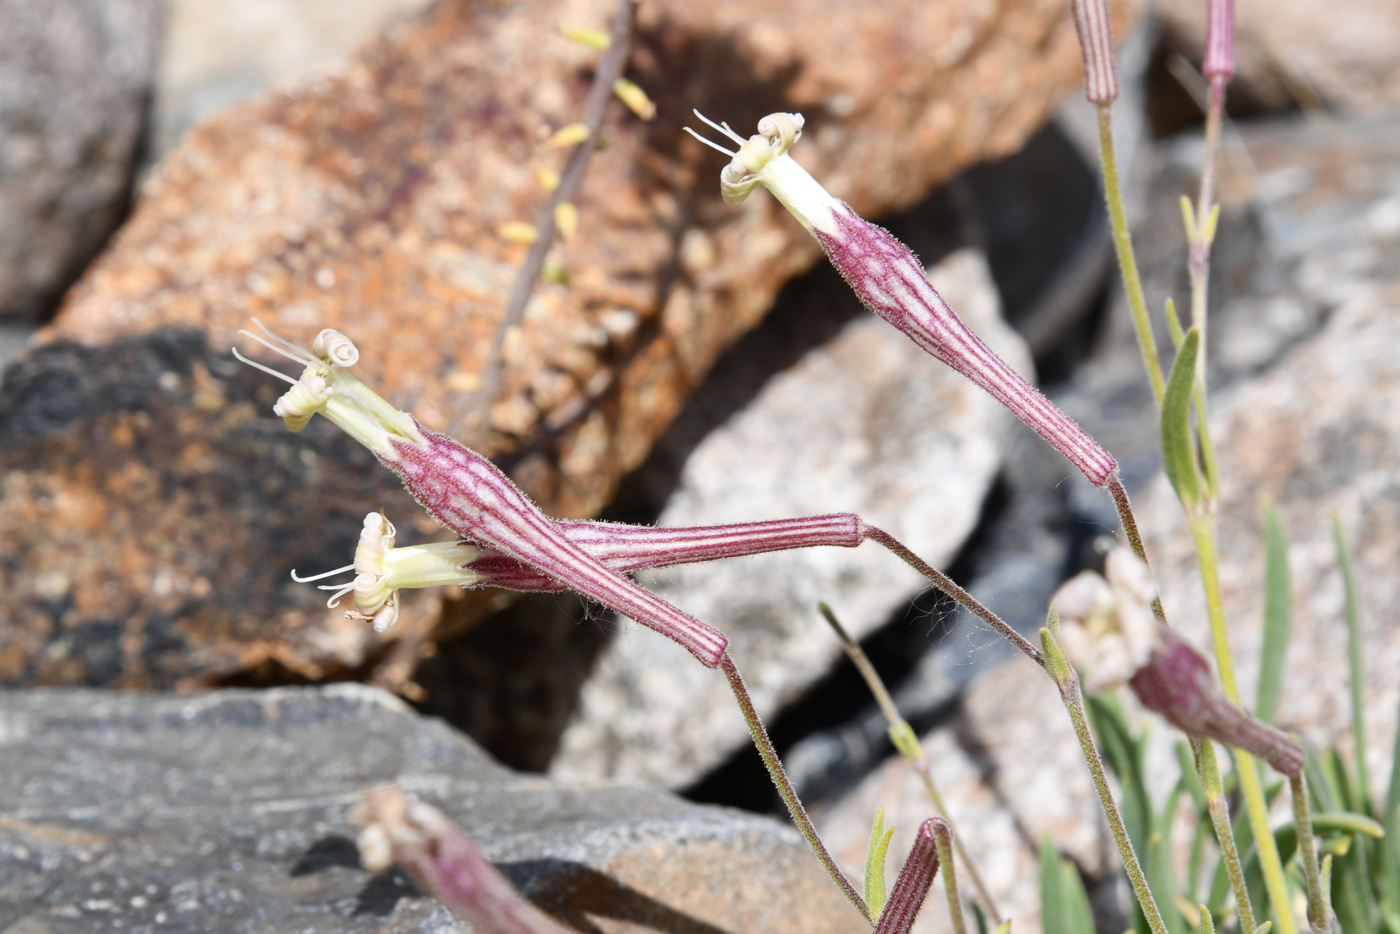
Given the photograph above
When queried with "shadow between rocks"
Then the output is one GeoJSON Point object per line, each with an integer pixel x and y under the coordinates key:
{"type": "Point", "coordinates": [575, 894]}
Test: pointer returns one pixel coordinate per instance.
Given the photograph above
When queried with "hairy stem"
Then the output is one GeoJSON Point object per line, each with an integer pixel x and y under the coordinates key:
{"type": "Point", "coordinates": [1320, 917]}
{"type": "Point", "coordinates": [785, 789]}
{"type": "Point", "coordinates": [1208, 768]}
{"type": "Point", "coordinates": [1127, 262]}
{"type": "Point", "coordinates": [1068, 682]}
{"type": "Point", "coordinates": [946, 584]}
{"type": "Point", "coordinates": [907, 742]}
{"type": "Point", "coordinates": [944, 835]}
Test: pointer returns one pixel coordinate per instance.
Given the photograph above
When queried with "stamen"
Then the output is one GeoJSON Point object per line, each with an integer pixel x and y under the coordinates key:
{"type": "Point", "coordinates": [722, 127]}
{"type": "Point", "coordinates": [334, 601]}
{"type": "Point", "coordinates": [713, 145]}
{"type": "Point", "coordinates": [316, 577]}
{"type": "Point", "coordinates": [298, 353]}
{"type": "Point", "coordinates": [258, 366]}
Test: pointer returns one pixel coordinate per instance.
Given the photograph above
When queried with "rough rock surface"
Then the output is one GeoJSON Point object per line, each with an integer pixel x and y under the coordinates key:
{"type": "Point", "coordinates": [369, 199]}
{"type": "Point", "coordinates": [867, 423]}
{"type": "Point", "coordinates": [1009, 770]}
{"type": "Point", "coordinates": [217, 54]}
{"type": "Point", "coordinates": [75, 81]}
{"type": "Point", "coordinates": [226, 812]}
{"type": "Point", "coordinates": [1307, 52]}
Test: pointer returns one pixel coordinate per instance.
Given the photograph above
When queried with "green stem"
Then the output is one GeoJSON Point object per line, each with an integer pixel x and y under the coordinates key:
{"type": "Point", "coordinates": [1320, 917]}
{"type": "Point", "coordinates": [907, 742]}
{"type": "Point", "coordinates": [1209, 770]}
{"type": "Point", "coordinates": [785, 789]}
{"type": "Point", "coordinates": [1068, 682]}
{"type": "Point", "coordinates": [1203, 531]}
{"type": "Point", "coordinates": [1127, 263]}
{"type": "Point", "coordinates": [943, 836]}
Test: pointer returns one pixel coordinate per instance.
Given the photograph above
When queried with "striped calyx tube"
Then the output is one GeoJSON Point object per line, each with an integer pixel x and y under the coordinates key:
{"type": "Point", "coordinates": [890, 281]}
{"type": "Point", "coordinates": [463, 490]}
{"type": "Point", "coordinates": [1219, 60]}
{"type": "Point", "coordinates": [1096, 42]}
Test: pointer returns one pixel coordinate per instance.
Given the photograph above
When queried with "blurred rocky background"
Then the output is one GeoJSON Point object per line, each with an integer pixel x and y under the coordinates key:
{"type": "Point", "coordinates": [169, 170]}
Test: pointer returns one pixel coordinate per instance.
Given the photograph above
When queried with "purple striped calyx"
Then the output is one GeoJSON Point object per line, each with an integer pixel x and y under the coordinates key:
{"type": "Point", "coordinates": [382, 570]}
{"type": "Point", "coordinates": [890, 281]}
{"type": "Point", "coordinates": [1096, 42]}
{"type": "Point", "coordinates": [1219, 60]}
{"type": "Point", "coordinates": [464, 491]}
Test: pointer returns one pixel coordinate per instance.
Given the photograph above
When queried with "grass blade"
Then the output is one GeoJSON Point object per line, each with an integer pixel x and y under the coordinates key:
{"type": "Point", "coordinates": [1358, 725]}
{"type": "Point", "coordinates": [1278, 612]}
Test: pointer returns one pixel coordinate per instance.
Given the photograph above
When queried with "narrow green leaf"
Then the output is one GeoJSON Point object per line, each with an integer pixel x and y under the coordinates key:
{"type": "Point", "coordinates": [1278, 611]}
{"type": "Point", "coordinates": [980, 918]}
{"type": "Point", "coordinates": [1207, 922]}
{"type": "Point", "coordinates": [1174, 325]}
{"type": "Point", "coordinates": [1005, 927]}
{"type": "Point", "coordinates": [1080, 919]}
{"type": "Point", "coordinates": [1186, 761]}
{"type": "Point", "coordinates": [1052, 895]}
{"type": "Point", "coordinates": [1358, 726]}
{"type": "Point", "coordinates": [875, 864]}
{"type": "Point", "coordinates": [1160, 878]}
{"type": "Point", "coordinates": [1264, 928]}
{"type": "Point", "coordinates": [1178, 445]}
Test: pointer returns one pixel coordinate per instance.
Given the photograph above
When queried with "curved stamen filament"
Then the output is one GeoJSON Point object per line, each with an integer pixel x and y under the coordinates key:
{"type": "Point", "coordinates": [258, 366]}
{"type": "Point", "coordinates": [317, 577]}
{"type": "Point", "coordinates": [340, 591]}
{"type": "Point", "coordinates": [287, 349]}
{"type": "Point", "coordinates": [713, 145]}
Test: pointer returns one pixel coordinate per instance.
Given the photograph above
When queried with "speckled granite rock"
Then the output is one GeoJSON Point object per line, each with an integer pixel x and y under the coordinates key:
{"type": "Point", "coordinates": [75, 83]}
{"type": "Point", "coordinates": [866, 423]}
{"type": "Point", "coordinates": [226, 812]}
{"type": "Point", "coordinates": [369, 199]}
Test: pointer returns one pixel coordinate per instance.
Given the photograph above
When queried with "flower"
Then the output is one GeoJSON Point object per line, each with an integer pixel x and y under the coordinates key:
{"type": "Point", "coordinates": [1109, 633]}
{"type": "Point", "coordinates": [463, 490]}
{"type": "Point", "coordinates": [1107, 627]}
{"type": "Point", "coordinates": [890, 281]}
{"type": "Point", "coordinates": [382, 570]}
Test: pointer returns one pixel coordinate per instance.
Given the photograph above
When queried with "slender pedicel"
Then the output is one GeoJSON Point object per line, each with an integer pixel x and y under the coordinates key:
{"type": "Point", "coordinates": [890, 281]}
{"type": "Point", "coordinates": [466, 492]}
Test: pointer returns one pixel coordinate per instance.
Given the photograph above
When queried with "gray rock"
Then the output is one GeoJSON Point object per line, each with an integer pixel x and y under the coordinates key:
{"type": "Point", "coordinates": [225, 812]}
{"type": "Point", "coordinates": [75, 81]}
{"type": "Point", "coordinates": [847, 429]}
{"type": "Point", "coordinates": [217, 54]}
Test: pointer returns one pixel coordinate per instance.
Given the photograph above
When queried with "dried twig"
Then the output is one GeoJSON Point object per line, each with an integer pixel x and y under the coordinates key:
{"type": "Point", "coordinates": [609, 70]}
